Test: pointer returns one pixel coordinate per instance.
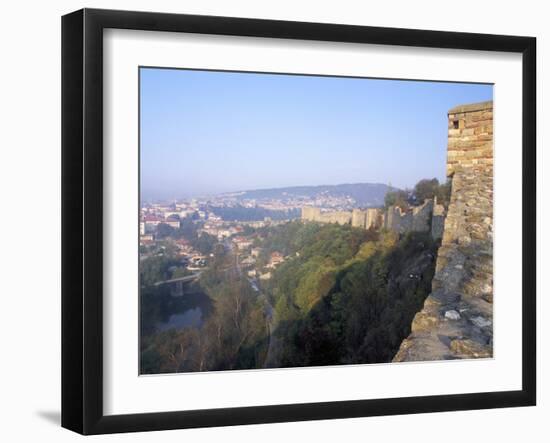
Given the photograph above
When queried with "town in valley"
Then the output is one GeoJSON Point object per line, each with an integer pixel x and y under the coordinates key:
{"type": "Point", "coordinates": [191, 229]}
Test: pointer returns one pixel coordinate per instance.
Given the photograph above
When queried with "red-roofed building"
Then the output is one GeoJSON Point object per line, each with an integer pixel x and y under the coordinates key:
{"type": "Point", "coordinates": [242, 242]}
{"type": "Point", "coordinates": [276, 259]}
{"type": "Point", "coordinates": [173, 221]}
{"type": "Point", "coordinates": [150, 222]}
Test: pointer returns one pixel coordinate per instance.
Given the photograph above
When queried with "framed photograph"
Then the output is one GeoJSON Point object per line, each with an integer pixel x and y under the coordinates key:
{"type": "Point", "coordinates": [268, 221]}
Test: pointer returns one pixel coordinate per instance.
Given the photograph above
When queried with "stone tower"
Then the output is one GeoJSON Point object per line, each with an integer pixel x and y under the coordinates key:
{"type": "Point", "coordinates": [359, 218]}
{"type": "Point", "coordinates": [457, 318]}
{"type": "Point", "coordinates": [373, 218]}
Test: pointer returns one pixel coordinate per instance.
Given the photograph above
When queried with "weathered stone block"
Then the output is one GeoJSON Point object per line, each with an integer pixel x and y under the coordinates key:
{"type": "Point", "coordinates": [470, 349]}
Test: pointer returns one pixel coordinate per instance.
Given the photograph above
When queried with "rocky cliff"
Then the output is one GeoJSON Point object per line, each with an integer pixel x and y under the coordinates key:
{"type": "Point", "coordinates": [457, 318]}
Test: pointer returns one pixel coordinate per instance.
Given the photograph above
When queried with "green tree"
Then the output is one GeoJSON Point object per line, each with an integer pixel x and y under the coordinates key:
{"type": "Point", "coordinates": [205, 243]}
{"type": "Point", "coordinates": [343, 295]}
{"type": "Point", "coordinates": [154, 269]}
{"type": "Point", "coordinates": [396, 198]}
{"type": "Point", "coordinates": [426, 189]}
{"type": "Point", "coordinates": [443, 193]}
{"type": "Point", "coordinates": [164, 230]}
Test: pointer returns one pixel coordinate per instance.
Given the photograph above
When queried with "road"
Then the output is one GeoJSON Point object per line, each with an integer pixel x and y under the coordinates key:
{"type": "Point", "coordinates": [268, 309]}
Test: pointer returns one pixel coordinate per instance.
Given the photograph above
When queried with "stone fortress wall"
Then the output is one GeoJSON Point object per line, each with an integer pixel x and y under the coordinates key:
{"type": "Point", "coordinates": [438, 220]}
{"type": "Point", "coordinates": [418, 219]}
{"type": "Point", "coordinates": [367, 218]}
{"type": "Point", "coordinates": [315, 215]}
{"type": "Point", "coordinates": [457, 318]}
{"type": "Point", "coordinates": [424, 218]}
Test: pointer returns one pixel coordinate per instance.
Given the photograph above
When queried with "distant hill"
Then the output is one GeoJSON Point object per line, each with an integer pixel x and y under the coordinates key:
{"type": "Point", "coordinates": [364, 194]}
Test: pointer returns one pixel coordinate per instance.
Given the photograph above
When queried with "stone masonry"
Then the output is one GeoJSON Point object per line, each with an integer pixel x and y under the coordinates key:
{"type": "Point", "coordinates": [438, 220]}
{"type": "Point", "coordinates": [315, 214]}
{"type": "Point", "coordinates": [456, 321]}
{"type": "Point", "coordinates": [417, 219]}
{"type": "Point", "coordinates": [367, 218]}
{"type": "Point", "coordinates": [424, 218]}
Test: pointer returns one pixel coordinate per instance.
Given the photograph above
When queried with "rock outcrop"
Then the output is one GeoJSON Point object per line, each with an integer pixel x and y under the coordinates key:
{"type": "Point", "coordinates": [457, 318]}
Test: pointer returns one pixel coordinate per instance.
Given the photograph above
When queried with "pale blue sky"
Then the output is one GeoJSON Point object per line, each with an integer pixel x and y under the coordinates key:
{"type": "Point", "coordinates": [211, 132]}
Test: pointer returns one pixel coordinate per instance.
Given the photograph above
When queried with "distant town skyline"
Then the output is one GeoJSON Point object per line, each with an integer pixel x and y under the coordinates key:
{"type": "Point", "coordinates": [211, 132]}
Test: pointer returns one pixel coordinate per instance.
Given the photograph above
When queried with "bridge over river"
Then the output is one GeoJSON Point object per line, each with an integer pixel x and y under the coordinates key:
{"type": "Point", "coordinates": [177, 285]}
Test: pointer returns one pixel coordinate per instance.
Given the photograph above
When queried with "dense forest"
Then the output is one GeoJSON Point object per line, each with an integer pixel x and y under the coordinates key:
{"type": "Point", "coordinates": [349, 295]}
{"type": "Point", "coordinates": [343, 295]}
{"type": "Point", "coordinates": [424, 189]}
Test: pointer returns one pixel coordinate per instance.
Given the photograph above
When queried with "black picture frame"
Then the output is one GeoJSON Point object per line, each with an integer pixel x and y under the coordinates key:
{"type": "Point", "coordinates": [82, 215]}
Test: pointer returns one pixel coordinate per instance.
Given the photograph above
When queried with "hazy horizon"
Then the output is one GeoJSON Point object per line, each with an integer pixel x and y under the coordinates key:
{"type": "Point", "coordinates": [205, 133]}
{"type": "Point", "coordinates": [165, 198]}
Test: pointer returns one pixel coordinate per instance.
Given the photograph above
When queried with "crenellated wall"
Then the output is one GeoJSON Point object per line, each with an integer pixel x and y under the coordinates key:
{"type": "Point", "coordinates": [424, 218]}
{"type": "Point", "coordinates": [315, 214]}
{"type": "Point", "coordinates": [367, 218]}
{"type": "Point", "coordinates": [457, 318]}
{"type": "Point", "coordinates": [374, 218]}
{"type": "Point", "coordinates": [417, 219]}
{"type": "Point", "coordinates": [358, 218]}
{"type": "Point", "coordinates": [311, 214]}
